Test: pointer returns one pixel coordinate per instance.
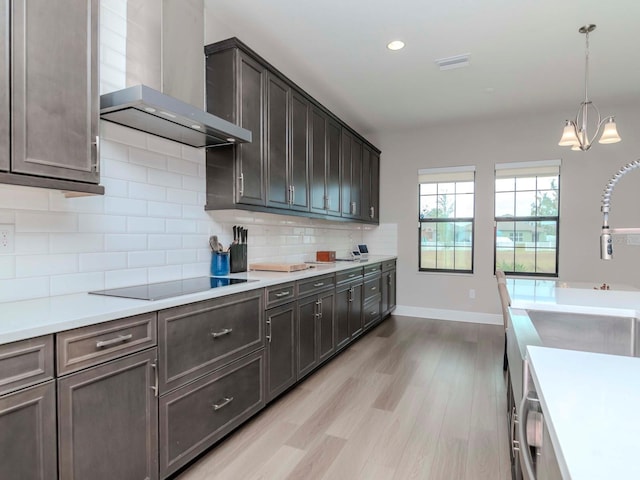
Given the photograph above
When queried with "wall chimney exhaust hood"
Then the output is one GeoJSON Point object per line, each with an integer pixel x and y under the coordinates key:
{"type": "Point", "coordinates": [148, 110]}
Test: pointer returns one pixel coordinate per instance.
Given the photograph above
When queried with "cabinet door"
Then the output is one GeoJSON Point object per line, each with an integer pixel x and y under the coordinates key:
{"type": "Point", "coordinates": [108, 421]}
{"type": "Point", "coordinates": [355, 311]}
{"type": "Point", "coordinates": [318, 161]}
{"type": "Point", "coordinates": [347, 207]}
{"type": "Point", "coordinates": [384, 289]}
{"type": "Point", "coordinates": [281, 341]}
{"type": "Point", "coordinates": [277, 113]}
{"type": "Point", "coordinates": [299, 162]}
{"type": "Point", "coordinates": [4, 85]}
{"type": "Point", "coordinates": [28, 434]}
{"type": "Point", "coordinates": [333, 168]}
{"type": "Point", "coordinates": [250, 156]}
{"type": "Point", "coordinates": [55, 88]}
{"type": "Point", "coordinates": [351, 175]}
{"type": "Point", "coordinates": [374, 196]}
{"type": "Point", "coordinates": [343, 300]}
{"type": "Point", "coordinates": [326, 319]}
{"type": "Point", "coordinates": [307, 338]}
{"type": "Point", "coordinates": [365, 196]}
{"type": "Point", "coordinates": [392, 291]}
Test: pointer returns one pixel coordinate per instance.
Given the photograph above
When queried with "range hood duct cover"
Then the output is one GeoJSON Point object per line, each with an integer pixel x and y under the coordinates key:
{"type": "Point", "coordinates": [148, 110]}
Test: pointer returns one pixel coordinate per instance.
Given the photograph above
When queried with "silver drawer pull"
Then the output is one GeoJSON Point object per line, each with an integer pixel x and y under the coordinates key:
{"type": "Point", "coordinates": [373, 288]}
{"type": "Point", "coordinates": [374, 312]}
{"type": "Point", "coordinates": [225, 401]}
{"type": "Point", "coordinates": [221, 333]}
{"type": "Point", "coordinates": [352, 275]}
{"type": "Point", "coordinates": [114, 341]}
{"type": "Point", "coordinates": [319, 284]}
{"type": "Point", "coordinates": [283, 294]}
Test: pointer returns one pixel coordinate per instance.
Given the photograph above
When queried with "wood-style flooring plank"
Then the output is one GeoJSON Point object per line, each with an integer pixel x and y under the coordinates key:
{"type": "Point", "coordinates": [413, 399]}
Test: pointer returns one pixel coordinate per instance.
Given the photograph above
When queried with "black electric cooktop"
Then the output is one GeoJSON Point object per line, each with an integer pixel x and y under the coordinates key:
{"type": "Point", "coordinates": [174, 288]}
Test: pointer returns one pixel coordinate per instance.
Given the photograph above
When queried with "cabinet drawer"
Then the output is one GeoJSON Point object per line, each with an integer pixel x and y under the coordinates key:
{"type": "Point", "coordinates": [372, 269]}
{"type": "Point", "coordinates": [316, 284]}
{"type": "Point", "coordinates": [195, 416]}
{"type": "Point", "coordinates": [198, 338]}
{"type": "Point", "coordinates": [371, 311]}
{"type": "Point", "coordinates": [349, 275]}
{"type": "Point", "coordinates": [88, 346]}
{"type": "Point", "coordinates": [25, 363]}
{"type": "Point", "coordinates": [388, 265]}
{"type": "Point", "coordinates": [279, 294]}
{"type": "Point", "coordinates": [371, 288]}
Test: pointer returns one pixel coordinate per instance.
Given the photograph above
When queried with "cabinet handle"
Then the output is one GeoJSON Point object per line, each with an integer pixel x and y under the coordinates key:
{"type": "Point", "coordinates": [154, 387]}
{"type": "Point", "coordinates": [371, 212]}
{"type": "Point", "coordinates": [269, 335]}
{"type": "Point", "coordinates": [114, 341]}
{"type": "Point", "coordinates": [241, 189]}
{"type": "Point", "coordinates": [221, 333]}
{"type": "Point", "coordinates": [97, 144]}
{"type": "Point", "coordinates": [373, 312]}
{"type": "Point", "coordinates": [282, 294]}
{"type": "Point", "coordinates": [326, 202]}
{"type": "Point", "coordinates": [353, 208]}
{"type": "Point", "coordinates": [374, 288]}
{"type": "Point", "coordinates": [293, 194]}
{"type": "Point", "coordinates": [350, 299]}
{"type": "Point", "coordinates": [351, 275]}
{"type": "Point", "coordinates": [225, 401]}
{"type": "Point", "coordinates": [319, 284]}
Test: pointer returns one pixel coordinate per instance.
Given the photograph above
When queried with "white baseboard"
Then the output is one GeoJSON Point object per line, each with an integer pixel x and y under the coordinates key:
{"type": "Point", "coordinates": [452, 315]}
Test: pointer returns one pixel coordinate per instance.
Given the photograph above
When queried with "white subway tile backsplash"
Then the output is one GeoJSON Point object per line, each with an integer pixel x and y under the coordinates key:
{"type": "Point", "coordinates": [193, 211]}
{"type": "Point", "coordinates": [38, 265]}
{"type": "Point", "coordinates": [181, 226]}
{"type": "Point", "coordinates": [23, 198]}
{"type": "Point", "coordinates": [183, 167]}
{"type": "Point", "coordinates": [196, 184]}
{"type": "Point", "coordinates": [76, 242]}
{"type": "Point", "coordinates": [196, 270]}
{"type": "Point", "coordinates": [96, 262]}
{"type": "Point", "coordinates": [124, 171]}
{"type": "Point", "coordinates": [165, 242]}
{"type": "Point", "coordinates": [125, 278]}
{"type": "Point", "coordinates": [7, 266]}
{"type": "Point", "coordinates": [88, 204]}
{"type": "Point", "coordinates": [145, 259]}
{"type": "Point", "coordinates": [164, 209]}
{"type": "Point", "coordinates": [164, 178]}
{"type": "Point", "coordinates": [164, 146]}
{"type": "Point", "coordinates": [31, 243]}
{"type": "Point", "coordinates": [192, 154]}
{"type": "Point", "coordinates": [23, 288]}
{"type": "Point", "coordinates": [125, 242]}
{"type": "Point", "coordinates": [178, 257]}
{"type": "Point", "coordinates": [187, 197]}
{"type": "Point", "coordinates": [102, 223]}
{"type": "Point", "coordinates": [46, 222]}
{"type": "Point", "coordinates": [145, 225]}
{"type": "Point", "coordinates": [76, 283]}
{"type": "Point", "coordinates": [114, 187]}
{"type": "Point", "coordinates": [194, 241]}
{"type": "Point", "coordinates": [118, 133]}
{"type": "Point", "coordinates": [147, 191]}
{"type": "Point", "coordinates": [165, 273]}
{"type": "Point", "coordinates": [124, 206]}
{"type": "Point", "coordinates": [113, 151]}
{"type": "Point", "coordinates": [147, 158]}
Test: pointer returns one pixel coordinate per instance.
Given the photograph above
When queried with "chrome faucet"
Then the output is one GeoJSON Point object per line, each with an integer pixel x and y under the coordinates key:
{"type": "Point", "coordinates": [606, 242]}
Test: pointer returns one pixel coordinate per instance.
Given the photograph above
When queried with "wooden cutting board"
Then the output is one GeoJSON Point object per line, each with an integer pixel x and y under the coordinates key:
{"type": "Point", "coordinates": [278, 267]}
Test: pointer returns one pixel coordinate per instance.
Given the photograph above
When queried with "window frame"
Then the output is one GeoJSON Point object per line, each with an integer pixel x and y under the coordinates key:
{"type": "Point", "coordinates": [441, 174]}
{"type": "Point", "coordinates": [529, 218]}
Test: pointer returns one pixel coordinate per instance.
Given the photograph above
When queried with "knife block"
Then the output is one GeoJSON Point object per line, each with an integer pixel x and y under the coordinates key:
{"type": "Point", "coordinates": [238, 257]}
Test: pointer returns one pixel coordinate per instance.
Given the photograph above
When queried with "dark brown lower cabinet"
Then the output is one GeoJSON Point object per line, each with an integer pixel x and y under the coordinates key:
{"type": "Point", "coordinates": [194, 417]}
{"type": "Point", "coordinates": [108, 420]}
{"type": "Point", "coordinates": [371, 311]}
{"type": "Point", "coordinates": [28, 433]}
{"type": "Point", "coordinates": [315, 331]}
{"type": "Point", "coordinates": [281, 351]}
{"type": "Point", "coordinates": [388, 292]}
{"type": "Point", "coordinates": [348, 313]}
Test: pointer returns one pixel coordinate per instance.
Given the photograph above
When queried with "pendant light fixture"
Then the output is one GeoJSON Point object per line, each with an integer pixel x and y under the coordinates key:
{"type": "Point", "coordinates": [575, 133]}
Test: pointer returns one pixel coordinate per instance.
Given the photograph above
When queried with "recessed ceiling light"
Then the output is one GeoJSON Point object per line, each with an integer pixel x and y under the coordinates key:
{"type": "Point", "coordinates": [395, 45]}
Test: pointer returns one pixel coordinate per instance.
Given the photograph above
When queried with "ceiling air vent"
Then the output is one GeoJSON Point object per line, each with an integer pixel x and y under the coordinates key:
{"type": "Point", "coordinates": [457, 61]}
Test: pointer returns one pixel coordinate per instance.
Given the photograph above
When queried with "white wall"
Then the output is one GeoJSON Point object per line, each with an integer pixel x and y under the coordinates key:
{"type": "Point", "coordinates": [484, 143]}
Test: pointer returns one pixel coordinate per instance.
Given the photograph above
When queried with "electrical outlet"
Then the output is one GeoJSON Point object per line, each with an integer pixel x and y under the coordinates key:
{"type": "Point", "coordinates": [6, 238]}
{"type": "Point", "coordinates": [472, 293]}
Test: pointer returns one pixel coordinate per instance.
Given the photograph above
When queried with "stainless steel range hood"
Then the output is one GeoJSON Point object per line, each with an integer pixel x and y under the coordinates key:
{"type": "Point", "coordinates": [154, 112]}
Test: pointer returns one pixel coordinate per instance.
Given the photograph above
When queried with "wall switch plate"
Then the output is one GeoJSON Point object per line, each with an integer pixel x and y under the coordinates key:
{"type": "Point", "coordinates": [472, 293]}
{"type": "Point", "coordinates": [7, 233]}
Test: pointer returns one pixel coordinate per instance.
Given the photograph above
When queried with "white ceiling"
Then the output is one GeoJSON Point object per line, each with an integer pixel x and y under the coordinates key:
{"type": "Point", "coordinates": [526, 55]}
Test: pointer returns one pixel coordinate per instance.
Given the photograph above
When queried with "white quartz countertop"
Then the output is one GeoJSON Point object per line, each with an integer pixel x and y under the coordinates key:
{"type": "Point", "coordinates": [573, 297]}
{"type": "Point", "coordinates": [41, 316]}
{"type": "Point", "coordinates": [589, 402]}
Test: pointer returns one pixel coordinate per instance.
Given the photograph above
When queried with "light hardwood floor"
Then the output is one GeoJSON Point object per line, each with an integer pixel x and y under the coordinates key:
{"type": "Point", "coordinates": [413, 399]}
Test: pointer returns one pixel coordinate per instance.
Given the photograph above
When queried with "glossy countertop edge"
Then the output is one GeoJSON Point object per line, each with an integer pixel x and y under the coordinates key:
{"type": "Point", "coordinates": [555, 296]}
{"type": "Point", "coordinates": [575, 386]}
{"type": "Point", "coordinates": [41, 316]}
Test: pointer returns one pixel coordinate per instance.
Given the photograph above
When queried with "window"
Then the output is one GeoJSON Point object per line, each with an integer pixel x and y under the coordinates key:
{"type": "Point", "coordinates": [526, 217]}
{"type": "Point", "coordinates": [446, 212]}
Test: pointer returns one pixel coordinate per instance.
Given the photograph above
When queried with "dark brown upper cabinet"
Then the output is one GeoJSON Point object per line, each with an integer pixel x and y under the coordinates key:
{"type": "Point", "coordinates": [295, 163]}
{"type": "Point", "coordinates": [370, 185]}
{"type": "Point", "coordinates": [351, 175]}
{"type": "Point", "coordinates": [49, 137]}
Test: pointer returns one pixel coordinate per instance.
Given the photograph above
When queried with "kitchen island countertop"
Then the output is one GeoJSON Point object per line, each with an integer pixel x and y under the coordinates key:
{"type": "Point", "coordinates": [40, 316]}
{"type": "Point", "coordinates": [589, 401]}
